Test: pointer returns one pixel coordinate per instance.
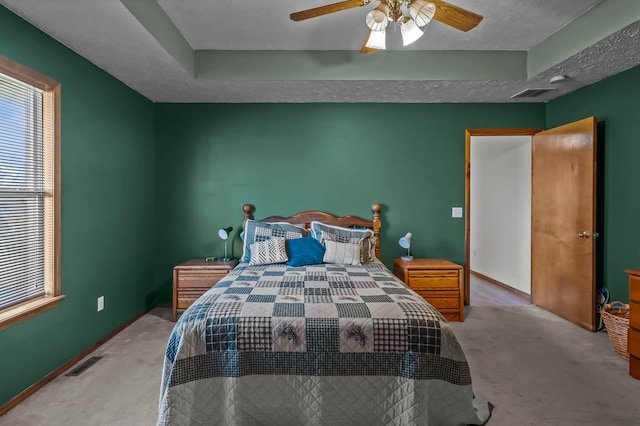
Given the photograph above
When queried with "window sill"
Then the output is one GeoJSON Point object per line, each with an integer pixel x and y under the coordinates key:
{"type": "Point", "coordinates": [27, 310]}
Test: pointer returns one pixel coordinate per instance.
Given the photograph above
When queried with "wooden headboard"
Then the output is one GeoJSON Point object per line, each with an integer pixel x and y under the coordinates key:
{"type": "Point", "coordinates": [308, 216]}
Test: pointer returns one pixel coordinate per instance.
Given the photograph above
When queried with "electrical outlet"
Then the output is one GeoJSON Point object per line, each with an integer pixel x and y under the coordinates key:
{"type": "Point", "coordinates": [456, 211]}
{"type": "Point", "coordinates": [100, 303]}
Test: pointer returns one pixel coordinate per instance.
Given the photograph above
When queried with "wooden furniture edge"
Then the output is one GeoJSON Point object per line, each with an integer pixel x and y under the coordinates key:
{"type": "Point", "coordinates": [7, 406]}
{"type": "Point", "coordinates": [204, 266]}
{"type": "Point", "coordinates": [216, 264]}
{"type": "Point", "coordinates": [433, 263]}
{"type": "Point", "coordinates": [308, 216]}
{"type": "Point", "coordinates": [405, 266]}
{"type": "Point", "coordinates": [634, 360]}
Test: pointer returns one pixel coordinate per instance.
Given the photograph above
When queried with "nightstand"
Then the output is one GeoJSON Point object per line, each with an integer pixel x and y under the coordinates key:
{"type": "Point", "coordinates": [438, 281]}
{"type": "Point", "coordinates": [193, 278]}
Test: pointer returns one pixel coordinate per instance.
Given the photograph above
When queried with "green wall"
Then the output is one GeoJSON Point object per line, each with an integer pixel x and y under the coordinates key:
{"type": "Point", "coordinates": [146, 186]}
{"type": "Point", "coordinates": [341, 158]}
{"type": "Point", "coordinates": [614, 101]}
{"type": "Point", "coordinates": [108, 201]}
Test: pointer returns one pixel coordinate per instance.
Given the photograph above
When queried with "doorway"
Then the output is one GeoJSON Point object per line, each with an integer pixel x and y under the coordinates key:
{"type": "Point", "coordinates": [500, 220]}
{"type": "Point", "coordinates": [565, 222]}
{"type": "Point", "coordinates": [501, 150]}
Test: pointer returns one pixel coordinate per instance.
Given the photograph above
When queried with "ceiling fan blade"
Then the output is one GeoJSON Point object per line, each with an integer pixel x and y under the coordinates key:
{"type": "Point", "coordinates": [456, 17]}
{"type": "Point", "coordinates": [365, 48]}
{"type": "Point", "coordinates": [327, 9]}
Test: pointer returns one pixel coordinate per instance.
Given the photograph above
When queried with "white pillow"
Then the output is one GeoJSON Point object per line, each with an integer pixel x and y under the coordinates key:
{"type": "Point", "coordinates": [367, 245]}
{"type": "Point", "coordinates": [343, 253]}
{"type": "Point", "coordinates": [268, 252]}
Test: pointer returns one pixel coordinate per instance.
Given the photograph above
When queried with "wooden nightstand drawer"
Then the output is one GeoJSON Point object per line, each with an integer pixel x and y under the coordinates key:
{"type": "Point", "coordinates": [206, 279]}
{"type": "Point", "coordinates": [187, 297]}
{"type": "Point", "coordinates": [441, 301]}
{"type": "Point", "coordinates": [433, 279]}
{"type": "Point", "coordinates": [193, 278]}
{"type": "Point", "coordinates": [452, 316]}
{"type": "Point", "coordinates": [438, 281]}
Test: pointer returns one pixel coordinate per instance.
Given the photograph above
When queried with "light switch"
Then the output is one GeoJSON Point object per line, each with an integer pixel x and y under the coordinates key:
{"type": "Point", "coordinates": [456, 211]}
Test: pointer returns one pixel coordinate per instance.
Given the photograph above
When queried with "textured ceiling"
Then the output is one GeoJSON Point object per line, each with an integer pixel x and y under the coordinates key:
{"type": "Point", "coordinates": [265, 25]}
{"type": "Point", "coordinates": [159, 48]}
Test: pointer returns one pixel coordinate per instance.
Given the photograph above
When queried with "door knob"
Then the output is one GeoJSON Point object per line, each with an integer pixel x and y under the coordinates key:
{"type": "Point", "coordinates": [585, 234]}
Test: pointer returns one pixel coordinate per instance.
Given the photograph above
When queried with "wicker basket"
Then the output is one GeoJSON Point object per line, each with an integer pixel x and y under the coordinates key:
{"type": "Point", "coordinates": [616, 321]}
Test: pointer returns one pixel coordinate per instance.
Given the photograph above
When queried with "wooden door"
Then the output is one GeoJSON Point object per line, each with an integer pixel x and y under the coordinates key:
{"type": "Point", "coordinates": [563, 216]}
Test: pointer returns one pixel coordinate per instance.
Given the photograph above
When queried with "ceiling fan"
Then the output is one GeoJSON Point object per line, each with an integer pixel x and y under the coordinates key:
{"type": "Point", "coordinates": [420, 13]}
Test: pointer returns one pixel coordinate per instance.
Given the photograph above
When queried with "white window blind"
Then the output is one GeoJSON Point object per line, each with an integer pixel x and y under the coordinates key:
{"type": "Point", "coordinates": [23, 193]}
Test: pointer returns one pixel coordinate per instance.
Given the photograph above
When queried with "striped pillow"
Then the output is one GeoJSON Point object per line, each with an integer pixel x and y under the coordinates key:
{"type": "Point", "coordinates": [256, 231]}
{"type": "Point", "coordinates": [321, 232]}
{"type": "Point", "coordinates": [268, 252]}
{"type": "Point", "coordinates": [367, 245]}
{"type": "Point", "coordinates": [343, 253]}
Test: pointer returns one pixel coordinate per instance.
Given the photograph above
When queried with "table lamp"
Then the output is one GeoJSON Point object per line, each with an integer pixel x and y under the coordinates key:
{"type": "Point", "coordinates": [224, 233]}
{"type": "Point", "coordinates": [405, 242]}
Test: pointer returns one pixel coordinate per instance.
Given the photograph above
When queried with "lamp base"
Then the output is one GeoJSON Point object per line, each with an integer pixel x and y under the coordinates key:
{"type": "Point", "coordinates": [406, 257]}
{"type": "Point", "coordinates": [225, 259]}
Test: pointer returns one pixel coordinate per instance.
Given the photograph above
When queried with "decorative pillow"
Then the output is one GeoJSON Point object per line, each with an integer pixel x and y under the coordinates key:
{"type": "Point", "coordinates": [304, 251]}
{"type": "Point", "coordinates": [256, 231]}
{"type": "Point", "coordinates": [348, 235]}
{"type": "Point", "coordinates": [268, 251]}
{"type": "Point", "coordinates": [343, 253]}
{"type": "Point", "coordinates": [343, 235]}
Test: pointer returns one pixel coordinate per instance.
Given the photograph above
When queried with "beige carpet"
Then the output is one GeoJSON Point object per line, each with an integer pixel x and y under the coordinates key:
{"type": "Point", "coordinates": [120, 389]}
{"type": "Point", "coordinates": [536, 368]}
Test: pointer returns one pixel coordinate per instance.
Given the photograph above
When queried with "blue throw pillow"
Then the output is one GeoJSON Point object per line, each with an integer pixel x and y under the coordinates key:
{"type": "Point", "coordinates": [304, 251]}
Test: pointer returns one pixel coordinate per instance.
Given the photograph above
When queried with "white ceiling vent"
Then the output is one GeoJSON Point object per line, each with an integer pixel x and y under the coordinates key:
{"type": "Point", "coordinates": [532, 93]}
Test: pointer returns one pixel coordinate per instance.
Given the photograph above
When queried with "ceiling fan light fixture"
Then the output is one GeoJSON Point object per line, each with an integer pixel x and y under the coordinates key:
{"type": "Point", "coordinates": [378, 18]}
{"type": "Point", "coordinates": [422, 12]}
{"type": "Point", "coordinates": [410, 32]}
{"type": "Point", "coordinates": [377, 40]}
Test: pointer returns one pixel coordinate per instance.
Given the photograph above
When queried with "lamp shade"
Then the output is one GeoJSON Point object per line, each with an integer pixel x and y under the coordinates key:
{"type": "Point", "coordinates": [405, 242]}
{"type": "Point", "coordinates": [224, 232]}
{"type": "Point", "coordinates": [422, 12]}
{"type": "Point", "coordinates": [410, 32]}
{"type": "Point", "coordinates": [377, 40]}
{"type": "Point", "coordinates": [378, 18]}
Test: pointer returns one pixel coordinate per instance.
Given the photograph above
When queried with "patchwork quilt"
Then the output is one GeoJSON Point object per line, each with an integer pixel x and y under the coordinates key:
{"type": "Point", "coordinates": [323, 344]}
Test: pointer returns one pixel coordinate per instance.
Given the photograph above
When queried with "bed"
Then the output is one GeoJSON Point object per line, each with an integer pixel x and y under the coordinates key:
{"type": "Point", "coordinates": [311, 328]}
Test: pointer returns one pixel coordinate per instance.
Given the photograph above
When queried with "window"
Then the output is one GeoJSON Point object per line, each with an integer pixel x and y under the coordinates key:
{"type": "Point", "coordinates": [29, 193]}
